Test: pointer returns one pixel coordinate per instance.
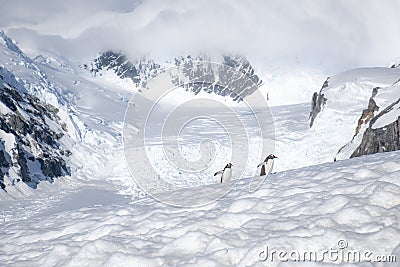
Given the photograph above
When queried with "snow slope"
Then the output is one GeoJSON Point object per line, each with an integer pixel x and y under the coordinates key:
{"type": "Point", "coordinates": [92, 112]}
{"type": "Point", "coordinates": [310, 209]}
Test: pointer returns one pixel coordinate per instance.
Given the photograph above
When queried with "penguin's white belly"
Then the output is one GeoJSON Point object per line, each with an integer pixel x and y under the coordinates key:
{"type": "Point", "coordinates": [268, 166]}
{"type": "Point", "coordinates": [226, 175]}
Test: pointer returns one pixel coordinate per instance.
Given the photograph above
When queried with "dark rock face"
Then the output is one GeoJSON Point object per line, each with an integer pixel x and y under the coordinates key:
{"type": "Point", "coordinates": [318, 103]}
{"type": "Point", "coordinates": [4, 165]}
{"type": "Point", "coordinates": [369, 112]}
{"type": "Point", "coordinates": [236, 77]}
{"type": "Point", "coordinates": [383, 139]}
{"type": "Point", "coordinates": [380, 140]}
{"type": "Point", "coordinates": [139, 73]}
{"type": "Point", "coordinates": [53, 167]}
{"type": "Point", "coordinates": [110, 60]}
{"type": "Point", "coordinates": [31, 142]}
{"type": "Point", "coordinates": [143, 70]}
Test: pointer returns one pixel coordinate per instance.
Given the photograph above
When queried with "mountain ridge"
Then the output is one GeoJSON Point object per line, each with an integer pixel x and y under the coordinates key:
{"type": "Point", "coordinates": [140, 71]}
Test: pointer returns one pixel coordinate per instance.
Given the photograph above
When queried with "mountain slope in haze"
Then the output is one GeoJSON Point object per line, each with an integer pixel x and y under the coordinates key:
{"type": "Point", "coordinates": [144, 69]}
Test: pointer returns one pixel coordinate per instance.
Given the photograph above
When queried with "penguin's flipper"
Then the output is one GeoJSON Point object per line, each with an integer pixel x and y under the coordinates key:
{"type": "Point", "coordinates": [219, 172]}
{"type": "Point", "coordinates": [258, 166]}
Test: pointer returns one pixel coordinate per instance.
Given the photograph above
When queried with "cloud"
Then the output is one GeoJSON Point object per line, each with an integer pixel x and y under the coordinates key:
{"type": "Point", "coordinates": [336, 34]}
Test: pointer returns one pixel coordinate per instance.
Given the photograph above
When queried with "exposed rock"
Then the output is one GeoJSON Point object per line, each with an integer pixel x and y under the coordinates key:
{"type": "Point", "coordinates": [54, 167]}
{"type": "Point", "coordinates": [27, 141]}
{"type": "Point", "coordinates": [22, 164]}
{"type": "Point", "coordinates": [3, 160]}
{"type": "Point", "coordinates": [144, 69]}
{"type": "Point", "coordinates": [117, 61]}
{"type": "Point", "coordinates": [318, 103]}
{"type": "Point", "coordinates": [234, 77]}
{"type": "Point", "coordinates": [139, 73]}
{"type": "Point", "coordinates": [380, 140]}
{"type": "Point", "coordinates": [368, 113]}
{"type": "Point", "coordinates": [384, 139]}
{"type": "Point", "coordinates": [4, 165]}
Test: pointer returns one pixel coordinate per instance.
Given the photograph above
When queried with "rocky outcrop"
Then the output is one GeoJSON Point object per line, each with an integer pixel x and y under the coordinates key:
{"type": "Point", "coordinates": [383, 139]}
{"type": "Point", "coordinates": [380, 140]}
{"type": "Point", "coordinates": [368, 113]}
{"type": "Point", "coordinates": [318, 102]}
{"type": "Point", "coordinates": [4, 164]}
{"type": "Point", "coordinates": [117, 62]}
{"type": "Point", "coordinates": [235, 77]}
{"type": "Point", "coordinates": [30, 133]}
{"type": "Point", "coordinates": [143, 70]}
{"type": "Point", "coordinates": [356, 109]}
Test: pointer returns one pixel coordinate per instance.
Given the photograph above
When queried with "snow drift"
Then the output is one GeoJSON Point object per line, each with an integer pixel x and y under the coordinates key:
{"type": "Point", "coordinates": [310, 209]}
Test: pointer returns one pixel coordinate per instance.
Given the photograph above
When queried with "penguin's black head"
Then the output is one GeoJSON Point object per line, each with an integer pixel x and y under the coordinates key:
{"type": "Point", "coordinates": [272, 156]}
{"type": "Point", "coordinates": [229, 165]}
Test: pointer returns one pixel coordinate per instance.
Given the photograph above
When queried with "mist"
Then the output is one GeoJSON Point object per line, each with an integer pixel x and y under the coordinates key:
{"type": "Point", "coordinates": [335, 35]}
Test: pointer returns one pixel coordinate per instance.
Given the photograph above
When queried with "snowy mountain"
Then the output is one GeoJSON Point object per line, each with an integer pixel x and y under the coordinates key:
{"type": "Point", "coordinates": [118, 63]}
{"type": "Point", "coordinates": [142, 70]}
{"type": "Point", "coordinates": [81, 93]}
{"type": "Point", "coordinates": [115, 117]}
{"type": "Point", "coordinates": [91, 133]}
{"type": "Point", "coordinates": [60, 119]}
{"type": "Point", "coordinates": [36, 129]}
{"type": "Point", "coordinates": [30, 133]}
{"type": "Point", "coordinates": [359, 109]}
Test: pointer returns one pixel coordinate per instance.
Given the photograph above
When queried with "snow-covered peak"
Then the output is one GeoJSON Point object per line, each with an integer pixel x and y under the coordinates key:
{"type": "Point", "coordinates": [9, 43]}
{"type": "Point", "coordinates": [38, 124]}
{"type": "Point", "coordinates": [140, 71]}
{"type": "Point", "coordinates": [28, 73]}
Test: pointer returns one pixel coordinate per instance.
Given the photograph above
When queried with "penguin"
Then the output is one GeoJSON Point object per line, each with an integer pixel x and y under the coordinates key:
{"type": "Point", "coordinates": [267, 165]}
{"type": "Point", "coordinates": [226, 173]}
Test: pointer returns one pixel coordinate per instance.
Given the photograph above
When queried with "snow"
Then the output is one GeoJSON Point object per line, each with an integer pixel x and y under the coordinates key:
{"type": "Point", "coordinates": [305, 209]}
{"type": "Point", "coordinates": [99, 216]}
{"type": "Point", "coordinates": [388, 118]}
{"type": "Point", "coordinates": [288, 86]}
{"type": "Point", "coordinates": [386, 97]}
{"type": "Point", "coordinates": [378, 76]}
{"type": "Point", "coordinates": [4, 109]}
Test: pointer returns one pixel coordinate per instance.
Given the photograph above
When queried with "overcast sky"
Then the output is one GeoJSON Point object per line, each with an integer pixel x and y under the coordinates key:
{"type": "Point", "coordinates": [337, 34]}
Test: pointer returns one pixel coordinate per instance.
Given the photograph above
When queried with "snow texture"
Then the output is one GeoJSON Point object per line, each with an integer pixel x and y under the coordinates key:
{"type": "Point", "coordinates": [307, 209]}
